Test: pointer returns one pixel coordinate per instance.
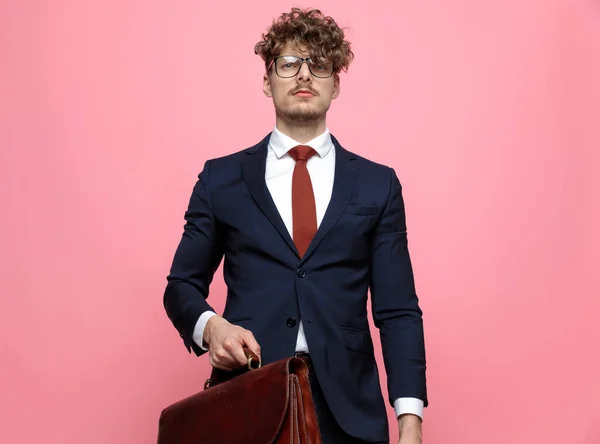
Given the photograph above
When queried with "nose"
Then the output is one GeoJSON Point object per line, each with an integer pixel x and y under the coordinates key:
{"type": "Point", "coordinates": [304, 74]}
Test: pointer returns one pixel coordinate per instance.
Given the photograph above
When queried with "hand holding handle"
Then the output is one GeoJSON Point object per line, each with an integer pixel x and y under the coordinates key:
{"type": "Point", "coordinates": [254, 361]}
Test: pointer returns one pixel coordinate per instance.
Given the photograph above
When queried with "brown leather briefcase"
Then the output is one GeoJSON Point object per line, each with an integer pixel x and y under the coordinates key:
{"type": "Point", "coordinates": [269, 404]}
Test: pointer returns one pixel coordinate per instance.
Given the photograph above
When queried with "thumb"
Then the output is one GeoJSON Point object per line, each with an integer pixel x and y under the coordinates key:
{"type": "Point", "coordinates": [250, 342]}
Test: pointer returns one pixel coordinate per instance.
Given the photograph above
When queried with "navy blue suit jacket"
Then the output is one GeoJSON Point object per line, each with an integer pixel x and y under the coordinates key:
{"type": "Point", "coordinates": [360, 244]}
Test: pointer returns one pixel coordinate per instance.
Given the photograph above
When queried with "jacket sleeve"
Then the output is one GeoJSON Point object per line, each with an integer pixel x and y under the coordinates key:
{"type": "Point", "coordinates": [196, 259]}
{"type": "Point", "coordinates": [395, 305]}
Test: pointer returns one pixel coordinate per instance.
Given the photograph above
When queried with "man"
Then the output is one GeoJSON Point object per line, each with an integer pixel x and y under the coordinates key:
{"type": "Point", "coordinates": [306, 229]}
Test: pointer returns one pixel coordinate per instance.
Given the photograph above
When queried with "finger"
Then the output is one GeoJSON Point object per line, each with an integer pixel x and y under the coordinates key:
{"type": "Point", "coordinates": [237, 357]}
{"type": "Point", "coordinates": [221, 367]}
{"type": "Point", "coordinates": [223, 359]}
{"type": "Point", "coordinates": [237, 353]}
{"type": "Point", "coordinates": [250, 342]}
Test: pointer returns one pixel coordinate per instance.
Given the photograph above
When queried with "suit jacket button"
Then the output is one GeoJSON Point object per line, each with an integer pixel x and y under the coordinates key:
{"type": "Point", "coordinates": [300, 272]}
{"type": "Point", "coordinates": [291, 322]}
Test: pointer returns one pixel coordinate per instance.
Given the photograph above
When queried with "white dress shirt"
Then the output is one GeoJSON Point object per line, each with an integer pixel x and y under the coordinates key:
{"type": "Point", "coordinates": [278, 176]}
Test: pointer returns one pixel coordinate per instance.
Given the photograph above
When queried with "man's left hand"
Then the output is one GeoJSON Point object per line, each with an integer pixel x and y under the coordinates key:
{"type": "Point", "coordinates": [409, 427]}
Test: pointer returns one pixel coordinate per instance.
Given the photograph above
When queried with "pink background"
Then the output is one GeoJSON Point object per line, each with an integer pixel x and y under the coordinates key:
{"type": "Point", "coordinates": [489, 111]}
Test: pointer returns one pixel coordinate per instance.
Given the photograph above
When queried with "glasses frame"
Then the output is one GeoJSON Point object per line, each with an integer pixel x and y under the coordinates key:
{"type": "Point", "coordinates": [302, 60]}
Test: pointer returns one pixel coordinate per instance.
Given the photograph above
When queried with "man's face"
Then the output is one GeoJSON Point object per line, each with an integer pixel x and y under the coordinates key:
{"type": "Point", "coordinates": [303, 98]}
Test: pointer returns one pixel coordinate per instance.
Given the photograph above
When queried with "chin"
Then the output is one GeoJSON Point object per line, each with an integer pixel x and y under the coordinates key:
{"type": "Point", "coordinates": [301, 115]}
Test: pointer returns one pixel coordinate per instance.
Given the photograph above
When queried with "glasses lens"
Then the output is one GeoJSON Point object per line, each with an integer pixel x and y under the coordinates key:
{"type": "Point", "coordinates": [321, 68]}
{"type": "Point", "coordinates": [288, 66]}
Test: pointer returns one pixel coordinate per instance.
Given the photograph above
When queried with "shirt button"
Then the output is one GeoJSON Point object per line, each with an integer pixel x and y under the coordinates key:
{"type": "Point", "coordinates": [291, 322]}
{"type": "Point", "coordinates": [300, 272]}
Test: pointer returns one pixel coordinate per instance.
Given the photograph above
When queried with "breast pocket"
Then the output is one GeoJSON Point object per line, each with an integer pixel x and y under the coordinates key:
{"type": "Point", "coordinates": [361, 210]}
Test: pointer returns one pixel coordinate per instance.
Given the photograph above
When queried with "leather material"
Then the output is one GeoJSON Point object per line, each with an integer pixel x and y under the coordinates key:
{"type": "Point", "coordinates": [269, 405]}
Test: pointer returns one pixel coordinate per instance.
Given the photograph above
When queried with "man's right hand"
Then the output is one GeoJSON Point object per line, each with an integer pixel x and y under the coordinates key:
{"type": "Point", "coordinates": [225, 342]}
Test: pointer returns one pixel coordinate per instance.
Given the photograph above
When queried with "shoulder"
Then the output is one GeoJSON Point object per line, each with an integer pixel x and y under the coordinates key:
{"type": "Point", "coordinates": [238, 156]}
{"type": "Point", "coordinates": [376, 176]}
{"type": "Point", "coordinates": [372, 165]}
{"type": "Point", "coordinates": [368, 165]}
{"type": "Point", "coordinates": [231, 163]}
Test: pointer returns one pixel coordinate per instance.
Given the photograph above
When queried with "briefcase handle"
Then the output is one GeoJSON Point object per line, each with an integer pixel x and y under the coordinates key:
{"type": "Point", "coordinates": [254, 362]}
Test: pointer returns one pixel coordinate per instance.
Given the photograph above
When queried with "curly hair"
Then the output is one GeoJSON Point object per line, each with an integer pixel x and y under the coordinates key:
{"type": "Point", "coordinates": [311, 28]}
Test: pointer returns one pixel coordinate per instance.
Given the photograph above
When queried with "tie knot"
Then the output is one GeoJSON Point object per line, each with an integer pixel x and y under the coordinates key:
{"type": "Point", "coordinates": [302, 152]}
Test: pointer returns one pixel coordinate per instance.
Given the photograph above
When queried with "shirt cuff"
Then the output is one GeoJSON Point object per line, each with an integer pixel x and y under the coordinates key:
{"type": "Point", "coordinates": [413, 406]}
{"type": "Point", "coordinates": [198, 334]}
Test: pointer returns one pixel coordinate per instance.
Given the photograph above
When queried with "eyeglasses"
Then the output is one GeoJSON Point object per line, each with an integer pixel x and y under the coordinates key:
{"type": "Point", "coordinates": [289, 66]}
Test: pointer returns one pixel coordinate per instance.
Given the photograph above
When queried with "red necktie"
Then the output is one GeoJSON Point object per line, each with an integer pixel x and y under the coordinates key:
{"type": "Point", "coordinates": [304, 213]}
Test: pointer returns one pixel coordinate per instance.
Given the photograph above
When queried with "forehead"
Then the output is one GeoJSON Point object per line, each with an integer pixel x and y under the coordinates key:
{"type": "Point", "coordinates": [294, 49]}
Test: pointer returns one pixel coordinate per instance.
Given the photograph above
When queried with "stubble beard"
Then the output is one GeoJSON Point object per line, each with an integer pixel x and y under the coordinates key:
{"type": "Point", "coordinates": [300, 115]}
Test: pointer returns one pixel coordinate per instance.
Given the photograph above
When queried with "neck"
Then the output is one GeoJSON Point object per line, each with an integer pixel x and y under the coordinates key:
{"type": "Point", "coordinates": [301, 132]}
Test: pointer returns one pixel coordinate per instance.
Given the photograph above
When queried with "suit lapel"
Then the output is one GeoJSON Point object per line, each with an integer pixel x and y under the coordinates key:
{"type": "Point", "coordinates": [253, 169]}
{"type": "Point", "coordinates": [343, 186]}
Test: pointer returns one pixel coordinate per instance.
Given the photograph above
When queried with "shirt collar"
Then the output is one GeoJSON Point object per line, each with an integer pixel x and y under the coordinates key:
{"type": "Point", "coordinates": [281, 144]}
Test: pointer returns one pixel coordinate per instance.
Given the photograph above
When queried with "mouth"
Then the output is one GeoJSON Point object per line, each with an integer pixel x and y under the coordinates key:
{"type": "Point", "coordinates": [304, 93]}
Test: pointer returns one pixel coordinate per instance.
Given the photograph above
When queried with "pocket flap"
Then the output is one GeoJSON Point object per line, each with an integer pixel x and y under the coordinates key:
{"type": "Point", "coordinates": [357, 340]}
{"type": "Point", "coordinates": [361, 210]}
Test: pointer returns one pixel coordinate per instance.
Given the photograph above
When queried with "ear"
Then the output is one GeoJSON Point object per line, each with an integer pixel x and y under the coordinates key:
{"type": "Point", "coordinates": [336, 86]}
{"type": "Point", "coordinates": [267, 86]}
